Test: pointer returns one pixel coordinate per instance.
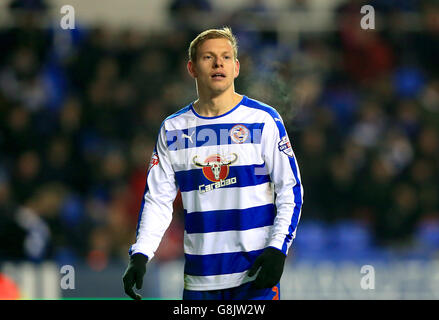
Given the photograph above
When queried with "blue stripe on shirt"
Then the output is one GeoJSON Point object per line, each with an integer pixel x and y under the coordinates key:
{"type": "Point", "coordinates": [234, 219]}
{"type": "Point", "coordinates": [221, 263]}
{"type": "Point", "coordinates": [251, 175]}
{"type": "Point", "coordinates": [252, 103]}
{"type": "Point", "coordinates": [210, 135]}
{"type": "Point", "coordinates": [298, 206]}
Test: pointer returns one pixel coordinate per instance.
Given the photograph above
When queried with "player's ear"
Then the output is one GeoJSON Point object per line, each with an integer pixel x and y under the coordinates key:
{"type": "Point", "coordinates": [237, 66]}
{"type": "Point", "coordinates": [191, 69]}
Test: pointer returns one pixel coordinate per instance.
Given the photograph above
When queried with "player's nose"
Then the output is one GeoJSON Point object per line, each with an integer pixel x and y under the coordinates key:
{"type": "Point", "coordinates": [218, 62]}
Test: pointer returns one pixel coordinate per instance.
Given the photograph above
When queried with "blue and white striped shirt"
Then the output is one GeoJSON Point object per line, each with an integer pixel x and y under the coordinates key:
{"type": "Point", "coordinates": [241, 191]}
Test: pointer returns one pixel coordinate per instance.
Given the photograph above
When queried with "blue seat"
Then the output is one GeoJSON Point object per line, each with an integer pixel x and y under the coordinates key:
{"type": "Point", "coordinates": [311, 240]}
{"type": "Point", "coordinates": [351, 240]}
{"type": "Point", "coordinates": [351, 236]}
{"type": "Point", "coordinates": [427, 234]}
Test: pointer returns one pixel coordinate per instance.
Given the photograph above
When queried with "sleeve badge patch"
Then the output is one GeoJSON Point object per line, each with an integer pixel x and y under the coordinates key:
{"type": "Point", "coordinates": [154, 160]}
{"type": "Point", "coordinates": [284, 146]}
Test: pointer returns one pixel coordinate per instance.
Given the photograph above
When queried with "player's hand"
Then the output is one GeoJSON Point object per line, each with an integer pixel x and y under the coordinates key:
{"type": "Point", "coordinates": [271, 262]}
{"type": "Point", "coordinates": [134, 275]}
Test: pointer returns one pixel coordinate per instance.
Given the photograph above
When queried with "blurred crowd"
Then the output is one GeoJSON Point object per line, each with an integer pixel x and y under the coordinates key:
{"type": "Point", "coordinates": [80, 110]}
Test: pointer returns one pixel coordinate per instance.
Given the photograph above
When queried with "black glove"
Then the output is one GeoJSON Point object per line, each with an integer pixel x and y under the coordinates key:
{"type": "Point", "coordinates": [272, 263]}
{"type": "Point", "coordinates": [134, 274]}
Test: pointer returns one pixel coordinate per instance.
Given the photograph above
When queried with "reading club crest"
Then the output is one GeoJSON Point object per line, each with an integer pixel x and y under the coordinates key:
{"type": "Point", "coordinates": [239, 133]}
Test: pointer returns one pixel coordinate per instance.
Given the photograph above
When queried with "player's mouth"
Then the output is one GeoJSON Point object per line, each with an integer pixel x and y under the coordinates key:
{"type": "Point", "coordinates": [218, 76]}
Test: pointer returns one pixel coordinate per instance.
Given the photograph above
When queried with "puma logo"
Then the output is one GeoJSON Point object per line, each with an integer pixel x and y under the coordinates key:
{"type": "Point", "coordinates": [188, 137]}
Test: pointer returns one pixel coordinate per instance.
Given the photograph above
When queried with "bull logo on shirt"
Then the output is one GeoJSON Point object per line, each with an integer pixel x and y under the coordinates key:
{"type": "Point", "coordinates": [216, 169]}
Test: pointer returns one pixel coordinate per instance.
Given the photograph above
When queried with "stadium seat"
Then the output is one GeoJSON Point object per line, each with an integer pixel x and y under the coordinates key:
{"type": "Point", "coordinates": [311, 240]}
{"type": "Point", "coordinates": [427, 234]}
{"type": "Point", "coordinates": [351, 240]}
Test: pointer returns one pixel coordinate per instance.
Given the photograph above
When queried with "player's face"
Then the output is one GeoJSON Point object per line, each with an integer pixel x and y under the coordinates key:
{"type": "Point", "coordinates": [216, 68]}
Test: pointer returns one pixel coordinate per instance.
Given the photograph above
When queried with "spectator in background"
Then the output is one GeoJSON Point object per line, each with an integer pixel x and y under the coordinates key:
{"type": "Point", "coordinates": [186, 13]}
{"type": "Point", "coordinates": [30, 227]}
{"type": "Point", "coordinates": [426, 44]}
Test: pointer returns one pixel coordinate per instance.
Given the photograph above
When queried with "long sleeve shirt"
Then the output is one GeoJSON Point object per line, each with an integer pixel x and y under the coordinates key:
{"type": "Point", "coordinates": [241, 191]}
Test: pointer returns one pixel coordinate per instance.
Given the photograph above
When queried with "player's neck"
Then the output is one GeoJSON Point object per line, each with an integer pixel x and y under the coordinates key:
{"type": "Point", "coordinates": [215, 106]}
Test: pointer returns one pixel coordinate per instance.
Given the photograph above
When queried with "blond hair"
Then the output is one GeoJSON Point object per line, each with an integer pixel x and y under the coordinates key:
{"type": "Point", "coordinates": [225, 32]}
